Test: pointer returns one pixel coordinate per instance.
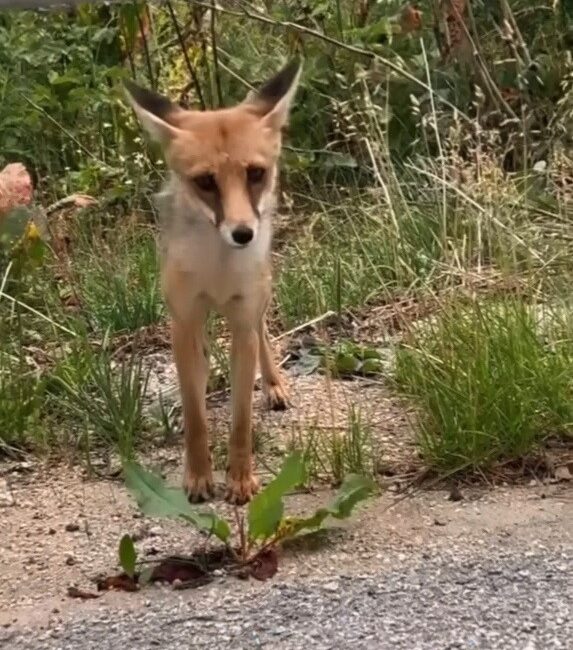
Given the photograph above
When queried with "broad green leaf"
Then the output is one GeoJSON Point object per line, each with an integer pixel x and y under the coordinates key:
{"type": "Point", "coordinates": [346, 363]}
{"type": "Point", "coordinates": [354, 489]}
{"type": "Point", "coordinates": [369, 353]}
{"type": "Point", "coordinates": [371, 366]}
{"type": "Point", "coordinates": [266, 509]}
{"type": "Point", "coordinates": [158, 500]}
{"type": "Point", "coordinates": [127, 555]}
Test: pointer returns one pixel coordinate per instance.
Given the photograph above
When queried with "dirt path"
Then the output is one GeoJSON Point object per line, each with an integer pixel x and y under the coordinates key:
{"type": "Point", "coordinates": [63, 531]}
{"type": "Point", "coordinates": [60, 529]}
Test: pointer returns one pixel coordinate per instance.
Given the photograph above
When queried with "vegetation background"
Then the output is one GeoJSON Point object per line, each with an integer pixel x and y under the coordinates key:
{"type": "Point", "coordinates": [426, 191]}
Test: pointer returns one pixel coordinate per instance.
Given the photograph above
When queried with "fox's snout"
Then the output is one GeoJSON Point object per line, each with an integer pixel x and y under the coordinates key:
{"type": "Point", "coordinates": [242, 234]}
{"type": "Point", "coordinates": [239, 234]}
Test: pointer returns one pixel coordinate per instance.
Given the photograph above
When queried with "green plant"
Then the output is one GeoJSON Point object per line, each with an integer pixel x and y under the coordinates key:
{"type": "Point", "coordinates": [266, 527]}
{"type": "Point", "coordinates": [118, 282]}
{"type": "Point", "coordinates": [104, 396]}
{"type": "Point", "coordinates": [21, 392]}
{"type": "Point", "coordinates": [487, 385]}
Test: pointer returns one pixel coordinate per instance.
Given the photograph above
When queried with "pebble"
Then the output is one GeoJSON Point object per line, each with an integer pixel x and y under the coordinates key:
{"type": "Point", "coordinates": [6, 496]}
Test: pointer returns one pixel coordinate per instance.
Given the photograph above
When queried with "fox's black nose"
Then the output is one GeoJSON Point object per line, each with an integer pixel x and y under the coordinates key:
{"type": "Point", "coordinates": [242, 235]}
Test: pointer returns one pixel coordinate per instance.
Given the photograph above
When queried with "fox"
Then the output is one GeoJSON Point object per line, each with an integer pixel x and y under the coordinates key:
{"type": "Point", "coordinates": [215, 230]}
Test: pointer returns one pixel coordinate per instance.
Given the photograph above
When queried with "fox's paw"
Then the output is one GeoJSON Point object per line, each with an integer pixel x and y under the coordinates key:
{"type": "Point", "coordinates": [242, 485]}
{"type": "Point", "coordinates": [198, 487]}
{"type": "Point", "coordinates": [276, 396]}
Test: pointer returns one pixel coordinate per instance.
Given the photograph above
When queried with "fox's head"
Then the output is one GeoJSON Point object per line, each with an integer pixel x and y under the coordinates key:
{"type": "Point", "coordinates": [226, 160]}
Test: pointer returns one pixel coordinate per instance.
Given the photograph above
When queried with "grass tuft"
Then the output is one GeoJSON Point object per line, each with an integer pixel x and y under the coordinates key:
{"type": "Point", "coordinates": [491, 381]}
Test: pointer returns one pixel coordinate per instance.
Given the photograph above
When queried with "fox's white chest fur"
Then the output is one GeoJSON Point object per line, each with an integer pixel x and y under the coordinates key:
{"type": "Point", "coordinates": [205, 265]}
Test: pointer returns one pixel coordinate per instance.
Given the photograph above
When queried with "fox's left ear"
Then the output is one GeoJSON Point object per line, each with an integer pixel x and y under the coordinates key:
{"type": "Point", "coordinates": [155, 112]}
{"type": "Point", "coordinates": [274, 98]}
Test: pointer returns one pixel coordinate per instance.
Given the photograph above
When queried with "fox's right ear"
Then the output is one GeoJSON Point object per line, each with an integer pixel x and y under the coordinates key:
{"type": "Point", "coordinates": [274, 98]}
{"type": "Point", "coordinates": [154, 111]}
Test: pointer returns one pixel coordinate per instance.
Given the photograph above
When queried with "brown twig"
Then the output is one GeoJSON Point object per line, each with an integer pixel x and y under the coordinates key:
{"type": "Point", "coordinates": [489, 84]}
{"type": "Point", "coordinates": [145, 47]}
{"type": "Point", "coordinates": [245, 13]}
{"type": "Point", "coordinates": [190, 68]}
{"type": "Point", "coordinates": [216, 74]}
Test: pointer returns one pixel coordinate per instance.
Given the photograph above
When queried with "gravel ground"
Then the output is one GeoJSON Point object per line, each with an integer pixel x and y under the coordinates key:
{"type": "Point", "coordinates": [501, 597]}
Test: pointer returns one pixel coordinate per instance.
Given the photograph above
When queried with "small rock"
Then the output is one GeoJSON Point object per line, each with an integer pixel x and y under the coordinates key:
{"type": "Point", "coordinates": [455, 494]}
{"type": "Point", "coordinates": [72, 527]}
{"type": "Point", "coordinates": [331, 586]}
{"type": "Point", "coordinates": [6, 497]}
{"type": "Point", "coordinates": [51, 531]}
{"type": "Point", "coordinates": [141, 532]}
{"type": "Point", "coordinates": [70, 560]}
{"type": "Point", "coordinates": [562, 473]}
{"type": "Point", "coordinates": [156, 531]}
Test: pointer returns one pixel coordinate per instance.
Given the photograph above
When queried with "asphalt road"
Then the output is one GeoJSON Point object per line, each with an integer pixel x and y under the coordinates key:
{"type": "Point", "coordinates": [498, 598]}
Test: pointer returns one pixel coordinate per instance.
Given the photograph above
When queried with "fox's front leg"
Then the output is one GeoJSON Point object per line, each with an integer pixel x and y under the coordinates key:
{"type": "Point", "coordinates": [192, 365]}
{"type": "Point", "coordinates": [241, 481]}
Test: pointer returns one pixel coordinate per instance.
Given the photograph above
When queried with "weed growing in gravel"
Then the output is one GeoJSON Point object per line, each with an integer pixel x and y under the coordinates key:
{"type": "Point", "coordinates": [105, 397]}
{"type": "Point", "coordinates": [491, 381]}
{"type": "Point", "coordinates": [331, 453]}
{"type": "Point", "coordinates": [251, 549]}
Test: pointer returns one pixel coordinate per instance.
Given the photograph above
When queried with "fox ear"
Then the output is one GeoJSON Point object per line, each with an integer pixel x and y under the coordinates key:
{"type": "Point", "coordinates": [154, 111]}
{"type": "Point", "coordinates": [274, 98]}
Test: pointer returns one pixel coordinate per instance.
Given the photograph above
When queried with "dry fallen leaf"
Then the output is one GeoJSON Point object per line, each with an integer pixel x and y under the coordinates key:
{"type": "Point", "coordinates": [183, 570]}
{"type": "Point", "coordinates": [121, 582]}
{"type": "Point", "coordinates": [74, 592]}
{"type": "Point", "coordinates": [265, 565]}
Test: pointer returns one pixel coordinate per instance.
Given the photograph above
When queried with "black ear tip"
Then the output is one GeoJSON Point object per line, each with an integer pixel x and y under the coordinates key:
{"type": "Point", "coordinates": [149, 100]}
{"type": "Point", "coordinates": [292, 68]}
{"type": "Point", "coordinates": [130, 86]}
{"type": "Point", "coordinates": [279, 85]}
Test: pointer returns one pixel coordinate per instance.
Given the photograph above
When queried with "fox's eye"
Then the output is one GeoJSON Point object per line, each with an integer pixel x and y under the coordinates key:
{"type": "Point", "coordinates": [206, 182]}
{"type": "Point", "coordinates": [255, 174]}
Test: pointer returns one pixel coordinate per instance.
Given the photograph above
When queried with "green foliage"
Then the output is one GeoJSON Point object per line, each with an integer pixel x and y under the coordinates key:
{"type": "Point", "coordinates": [487, 384]}
{"type": "Point", "coordinates": [343, 359]}
{"type": "Point", "coordinates": [353, 490]}
{"type": "Point", "coordinates": [119, 288]}
{"type": "Point", "coordinates": [103, 396]}
{"type": "Point", "coordinates": [127, 555]}
{"type": "Point", "coordinates": [21, 392]}
{"type": "Point", "coordinates": [266, 509]}
{"type": "Point", "coordinates": [157, 500]}
{"type": "Point", "coordinates": [265, 513]}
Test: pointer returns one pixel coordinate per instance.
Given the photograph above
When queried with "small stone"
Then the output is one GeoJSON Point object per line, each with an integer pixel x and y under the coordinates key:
{"type": "Point", "coordinates": [6, 496]}
{"type": "Point", "coordinates": [72, 527]}
{"type": "Point", "coordinates": [70, 560]}
{"type": "Point", "coordinates": [156, 531]}
{"type": "Point", "coordinates": [51, 531]}
{"type": "Point", "coordinates": [331, 586]}
{"type": "Point", "coordinates": [563, 473]}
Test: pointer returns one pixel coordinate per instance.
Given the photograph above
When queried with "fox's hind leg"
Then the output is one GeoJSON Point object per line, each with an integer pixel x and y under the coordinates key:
{"type": "Point", "coordinates": [274, 385]}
